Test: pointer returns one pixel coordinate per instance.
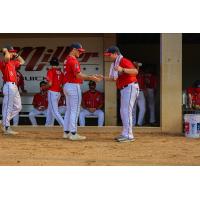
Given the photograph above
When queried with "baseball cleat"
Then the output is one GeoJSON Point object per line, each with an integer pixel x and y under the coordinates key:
{"type": "Point", "coordinates": [125, 139]}
{"type": "Point", "coordinates": [76, 137]}
{"type": "Point", "coordinates": [118, 137]}
{"type": "Point", "coordinates": [66, 135]}
{"type": "Point", "coordinates": [9, 131]}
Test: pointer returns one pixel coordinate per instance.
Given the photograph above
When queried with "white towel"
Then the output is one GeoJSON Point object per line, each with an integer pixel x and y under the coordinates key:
{"type": "Point", "coordinates": [113, 73]}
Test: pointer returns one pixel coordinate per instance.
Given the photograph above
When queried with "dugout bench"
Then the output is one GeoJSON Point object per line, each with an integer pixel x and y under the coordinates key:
{"type": "Point", "coordinates": [27, 99]}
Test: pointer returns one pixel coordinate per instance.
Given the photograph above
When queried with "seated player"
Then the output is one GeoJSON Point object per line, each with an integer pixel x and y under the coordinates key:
{"type": "Point", "coordinates": [140, 102]}
{"type": "Point", "coordinates": [40, 104]}
{"type": "Point", "coordinates": [92, 103]}
{"type": "Point", "coordinates": [194, 95]}
{"type": "Point", "coordinates": [151, 87]}
{"type": "Point", "coordinates": [62, 104]}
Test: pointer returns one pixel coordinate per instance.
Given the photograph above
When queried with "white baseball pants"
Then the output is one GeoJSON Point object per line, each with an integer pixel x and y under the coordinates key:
{"type": "Point", "coordinates": [16, 120]}
{"type": "Point", "coordinates": [98, 113]}
{"type": "Point", "coordinates": [72, 92]}
{"type": "Point", "coordinates": [151, 104]}
{"type": "Point", "coordinates": [11, 102]}
{"type": "Point", "coordinates": [128, 98]}
{"type": "Point", "coordinates": [52, 111]}
{"type": "Point", "coordinates": [61, 110]}
{"type": "Point", "coordinates": [34, 113]}
{"type": "Point", "coordinates": [141, 104]}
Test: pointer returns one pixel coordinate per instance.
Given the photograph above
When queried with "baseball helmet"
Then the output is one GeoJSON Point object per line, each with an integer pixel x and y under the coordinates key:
{"type": "Point", "coordinates": [54, 61]}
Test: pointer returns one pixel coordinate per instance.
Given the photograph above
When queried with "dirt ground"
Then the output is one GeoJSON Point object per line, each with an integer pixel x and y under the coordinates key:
{"type": "Point", "coordinates": [45, 146]}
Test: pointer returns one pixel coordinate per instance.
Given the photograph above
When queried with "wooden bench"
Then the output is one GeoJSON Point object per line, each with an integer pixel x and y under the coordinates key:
{"type": "Point", "coordinates": [27, 106]}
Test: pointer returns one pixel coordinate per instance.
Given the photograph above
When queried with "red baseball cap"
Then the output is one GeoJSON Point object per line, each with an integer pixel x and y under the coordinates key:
{"type": "Point", "coordinates": [10, 49]}
{"type": "Point", "coordinates": [111, 50]}
{"type": "Point", "coordinates": [77, 46]}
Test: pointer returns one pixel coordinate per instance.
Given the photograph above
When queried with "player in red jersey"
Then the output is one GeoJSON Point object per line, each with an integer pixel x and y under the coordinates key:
{"type": "Point", "coordinates": [54, 86]}
{"type": "Point", "coordinates": [194, 95]}
{"type": "Point", "coordinates": [151, 86]}
{"type": "Point", "coordinates": [40, 104]}
{"type": "Point", "coordinates": [12, 100]}
{"type": "Point", "coordinates": [73, 78]}
{"type": "Point", "coordinates": [20, 85]}
{"type": "Point", "coordinates": [124, 72]}
{"type": "Point", "coordinates": [92, 103]}
{"type": "Point", "coordinates": [141, 101]}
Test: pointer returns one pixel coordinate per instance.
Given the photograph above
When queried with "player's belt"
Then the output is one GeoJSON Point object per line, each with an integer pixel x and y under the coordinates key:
{"type": "Point", "coordinates": [12, 83]}
{"type": "Point", "coordinates": [127, 85]}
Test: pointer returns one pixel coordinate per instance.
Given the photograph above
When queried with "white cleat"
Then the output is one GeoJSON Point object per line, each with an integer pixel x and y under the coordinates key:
{"type": "Point", "coordinates": [125, 139]}
{"type": "Point", "coordinates": [66, 135]}
{"type": "Point", "coordinates": [49, 125]}
{"type": "Point", "coordinates": [9, 131]}
{"type": "Point", "coordinates": [76, 137]}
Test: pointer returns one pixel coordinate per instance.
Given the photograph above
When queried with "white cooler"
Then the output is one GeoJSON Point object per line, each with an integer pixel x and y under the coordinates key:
{"type": "Point", "coordinates": [192, 125]}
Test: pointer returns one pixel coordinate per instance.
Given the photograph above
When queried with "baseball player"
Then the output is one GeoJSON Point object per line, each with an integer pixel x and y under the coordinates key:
{"type": "Point", "coordinates": [61, 109]}
{"type": "Point", "coordinates": [194, 95]}
{"type": "Point", "coordinates": [12, 100]}
{"type": "Point", "coordinates": [20, 81]}
{"type": "Point", "coordinates": [54, 86]}
{"type": "Point", "coordinates": [73, 78]}
{"type": "Point", "coordinates": [62, 104]}
{"type": "Point", "coordinates": [92, 103]}
{"type": "Point", "coordinates": [20, 85]}
{"type": "Point", "coordinates": [151, 84]}
{"type": "Point", "coordinates": [40, 104]}
{"type": "Point", "coordinates": [126, 82]}
{"type": "Point", "coordinates": [140, 102]}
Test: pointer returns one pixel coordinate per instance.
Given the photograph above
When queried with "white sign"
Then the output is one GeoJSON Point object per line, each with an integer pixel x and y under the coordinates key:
{"type": "Point", "coordinates": [37, 53]}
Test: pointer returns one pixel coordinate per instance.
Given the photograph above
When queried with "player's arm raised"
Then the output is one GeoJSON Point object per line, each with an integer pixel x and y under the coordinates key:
{"type": "Point", "coordinates": [20, 59]}
{"type": "Point", "coordinates": [6, 54]}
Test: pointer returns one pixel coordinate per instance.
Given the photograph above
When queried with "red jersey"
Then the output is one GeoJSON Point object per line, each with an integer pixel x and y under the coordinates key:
{"type": "Point", "coordinates": [141, 80]}
{"type": "Point", "coordinates": [150, 81]}
{"type": "Point", "coordinates": [40, 100]}
{"type": "Point", "coordinates": [55, 76]}
{"type": "Point", "coordinates": [191, 90]}
{"type": "Point", "coordinates": [197, 96]}
{"type": "Point", "coordinates": [20, 80]}
{"type": "Point", "coordinates": [92, 99]}
{"type": "Point", "coordinates": [123, 78]}
{"type": "Point", "coordinates": [62, 101]}
{"type": "Point", "coordinates": [8, 70]}
{"type": "Point", "coordinates": [195, 93]}
{"type": "Point", "coordinates": [71, 69]}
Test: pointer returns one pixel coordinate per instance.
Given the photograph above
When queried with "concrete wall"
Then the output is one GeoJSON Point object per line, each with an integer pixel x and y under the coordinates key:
{"type": "Point", "coordinates": [171, 83]}
{"type": "Point", "coordinates": [110, 87]}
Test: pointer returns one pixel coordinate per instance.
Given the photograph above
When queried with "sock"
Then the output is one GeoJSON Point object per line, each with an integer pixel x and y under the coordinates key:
{"type": "Point", "coordinates": [67, 132]}
{"type": "Point", "coordinates": [7, 127]}
{"type": "Point", "coordinates": [73, 133]}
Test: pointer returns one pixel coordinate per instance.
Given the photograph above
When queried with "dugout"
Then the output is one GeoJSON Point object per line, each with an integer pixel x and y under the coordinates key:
{"type": "Point", "coordinates": [191, 69]}
{"type": "Point", "coordinates": [144, 48]}
{"type": "Point", "coordinates": [163, 50]}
